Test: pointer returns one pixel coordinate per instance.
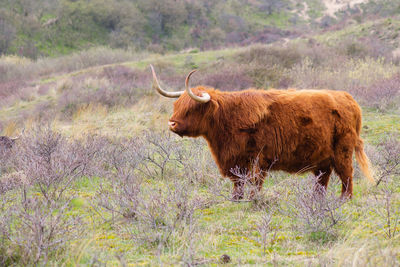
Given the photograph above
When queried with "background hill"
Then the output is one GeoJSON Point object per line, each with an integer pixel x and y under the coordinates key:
{"type": "Point", "coordinates": [52, 28]}
{"type": "Point", "coordinates": [96, 179]}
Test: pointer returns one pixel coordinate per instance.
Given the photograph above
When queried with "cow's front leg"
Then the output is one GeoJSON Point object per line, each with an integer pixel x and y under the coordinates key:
{"type": "Point", "coordinates": [256, 184]}
{"type": "Point", "coordinates": [238, 189]}
{"type": "Point", "coordinates": [257, 180]}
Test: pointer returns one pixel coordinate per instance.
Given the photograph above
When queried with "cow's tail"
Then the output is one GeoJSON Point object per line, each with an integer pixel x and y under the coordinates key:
{"type": "Point", "coordinates": [363, 161]}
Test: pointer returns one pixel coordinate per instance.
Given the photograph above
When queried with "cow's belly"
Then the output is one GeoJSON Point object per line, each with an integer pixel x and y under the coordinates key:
{"type": "Point", "coordinates": [301, 160]}
{"type": "Point", "coordinates": [295, 167]}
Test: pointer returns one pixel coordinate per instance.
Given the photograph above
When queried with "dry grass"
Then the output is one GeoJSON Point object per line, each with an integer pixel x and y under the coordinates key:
{"type": "Point", "coordinates": [10, 129]}
{"type": "Point", "coordinates": [150, 112]}
{"type": "Point", "coordinates": [15, 68]}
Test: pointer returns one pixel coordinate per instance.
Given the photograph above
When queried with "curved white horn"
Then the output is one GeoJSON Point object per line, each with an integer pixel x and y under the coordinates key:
{"type": "Point", "coordinates": [157, 86]}
{"type": "Point", "coordinates": [205, 96]}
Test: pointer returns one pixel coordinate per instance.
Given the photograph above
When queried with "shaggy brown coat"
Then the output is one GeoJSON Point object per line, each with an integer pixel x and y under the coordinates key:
{"type": "Point", "coordinates": [290, 130]}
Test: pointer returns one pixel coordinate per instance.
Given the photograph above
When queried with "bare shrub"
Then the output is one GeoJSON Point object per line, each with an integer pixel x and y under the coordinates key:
{"type": "Point", "coordinates": [163, 153]}
{"type": "Point", "coordinates": [11, 180]}
{"type": "Point", "coordinates": [120, 197]}
{"type": "Point", "coordinates": [36, 226]}
{"type": "Point", "coordinates": [267, 66]}
{"type": "Point", "coordinates": [149, 214]}
{"type": "Point", "coordinates": [248, 179]}
{"type": "Point", "coordinates": [114, 86]}
{"type": "Point", "coordinates": [249, 189]}
{"type": "Point", "coordinates": [189, 233]}
{"type": "Point", "coordinates": [266, 228]}
{"type": "Point", "coordinates": [111, 87]}
{"type": "Point", "coordinates": [161, 212]}
{"type": "Point", "coordinates": [315, 211]}
{"type": "Point", "coordinates": [121, 159]}
{"type": "Point", "coordinates": [369, 46]}
{"type": "Point", "coordinates": [384, 94]}
{"type": "Point", "coordinates": [267, 55]}
{"type": "Point", "coordinates": [222, 188]}
{"type": "Point", "coordinates": [6, 201]}
{"type": "Point", "coordinates": [5, 153]}
{"type": "Point", "coordinates": [353, 49]}
{"type": "Point", "coordinates": [198, 165]}
{"type": "Point", "coordinates": [10, 88]}
{"type": "Point", "coordinates": [52, 162]}
{"type": "Point", "coordinates": [268, 35]}
{"type": "Point", "coordinates": [386, 158]}
{"type": "Point", "coordinates": [386, 207]}
{"type": "Point", "coordinates": [123, 155]}
{"type": "Point", "coordinates": [230, 77]}
{"type": "Point", "coordinates": [10, 91]}
{"type": "Point", "coordinates": [35, 230]}
{"type": "Point", "coordinates": [126, 78]}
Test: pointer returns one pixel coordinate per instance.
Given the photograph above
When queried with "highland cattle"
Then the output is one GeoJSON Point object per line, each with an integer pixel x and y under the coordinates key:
{"type": "Point", "coordinates": [290, 130]}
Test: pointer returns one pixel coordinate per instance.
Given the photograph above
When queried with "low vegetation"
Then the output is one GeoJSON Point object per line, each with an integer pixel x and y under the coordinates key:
{"type": "Point", "coordinates": [148, 200]}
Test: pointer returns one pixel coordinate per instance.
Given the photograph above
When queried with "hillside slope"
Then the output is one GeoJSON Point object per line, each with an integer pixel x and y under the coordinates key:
{"type": "Point", "coordinates": [52, 28]}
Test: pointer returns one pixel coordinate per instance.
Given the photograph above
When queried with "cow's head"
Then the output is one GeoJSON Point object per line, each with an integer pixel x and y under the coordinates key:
{"type": "Point", "coordinates": [192, 111]}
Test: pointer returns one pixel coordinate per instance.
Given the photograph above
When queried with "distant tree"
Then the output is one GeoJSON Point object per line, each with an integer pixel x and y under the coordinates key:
{"type": "Point", "coordinates": [271, 6]}
{"type": "Point", "coordinates": [130, 29]}
{"type": "Point", "coordinates": [7, 35]}
{"type": "Point", "coordinates": [163, 17]}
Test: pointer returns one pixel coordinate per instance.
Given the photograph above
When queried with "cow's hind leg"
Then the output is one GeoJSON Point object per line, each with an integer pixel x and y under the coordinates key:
{"type": "Point", "coordinates": [323, 174]}
{"type": "Point", "coordinates": [344, 164]}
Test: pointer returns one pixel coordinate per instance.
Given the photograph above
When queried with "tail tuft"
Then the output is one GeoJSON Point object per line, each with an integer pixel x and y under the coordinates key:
{"type": "Point", "coordinates": [363, 161]}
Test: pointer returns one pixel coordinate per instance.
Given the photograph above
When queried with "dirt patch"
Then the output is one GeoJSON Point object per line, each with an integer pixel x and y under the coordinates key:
{"type": "Point", "coordinates": [332, 6]}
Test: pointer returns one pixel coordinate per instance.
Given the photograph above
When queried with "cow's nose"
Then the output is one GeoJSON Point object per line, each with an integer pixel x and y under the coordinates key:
{"type": "Point", "coordinates": [172, 124]}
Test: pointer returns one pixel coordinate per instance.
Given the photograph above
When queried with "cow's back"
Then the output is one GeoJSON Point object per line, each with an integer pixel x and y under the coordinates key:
{"type": "Point", "coordinates": [304, 124]}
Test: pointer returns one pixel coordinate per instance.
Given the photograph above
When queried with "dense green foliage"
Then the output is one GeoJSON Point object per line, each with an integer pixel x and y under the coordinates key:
{"type": "Point", "coordinates": [47, 27]}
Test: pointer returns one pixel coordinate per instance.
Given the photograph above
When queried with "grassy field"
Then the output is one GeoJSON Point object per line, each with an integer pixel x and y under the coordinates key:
{"type": "Point", "coordinates": [97, 179]}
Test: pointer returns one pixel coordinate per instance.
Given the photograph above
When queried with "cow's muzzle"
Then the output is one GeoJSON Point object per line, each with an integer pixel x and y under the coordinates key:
{"type": "Point", "coordinates": [171, 124]}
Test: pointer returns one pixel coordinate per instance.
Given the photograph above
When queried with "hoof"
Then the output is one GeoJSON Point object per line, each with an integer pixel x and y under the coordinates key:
{"type": "Point", "coordinates": [236, 197]}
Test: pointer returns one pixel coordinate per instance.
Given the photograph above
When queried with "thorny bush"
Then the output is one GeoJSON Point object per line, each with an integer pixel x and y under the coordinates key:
{"type": "Point", "coordinates": [166, 155]}
{"type": "Point", "coordinates": [32, 230]}
{"type": "Point", "coordinates": [37, 224]}
{"type": "Point", "coordinates": [387, 209]}
{"type": "Point", "coordinates": [148, 213]}
{"type": "Point", "coordinates": [386, 158]}
{"type": "Point", "coordinates": [314, 210]}
{"type": "Point", "coordinates": [384, 94]}
{"type": "Point", "coordinates": [52, 162]}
